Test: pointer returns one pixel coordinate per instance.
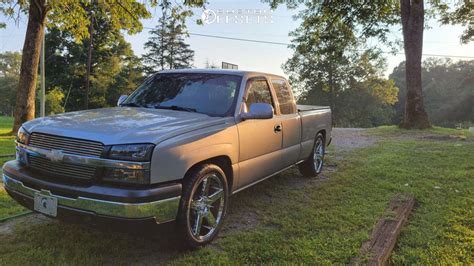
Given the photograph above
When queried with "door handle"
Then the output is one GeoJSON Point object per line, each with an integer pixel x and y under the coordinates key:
{"type": "Point", "coordinates": [277, 128]}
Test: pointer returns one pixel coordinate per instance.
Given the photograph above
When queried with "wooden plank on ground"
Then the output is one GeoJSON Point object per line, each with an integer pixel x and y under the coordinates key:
{"type": "Point", "coordinates": [378, 248]}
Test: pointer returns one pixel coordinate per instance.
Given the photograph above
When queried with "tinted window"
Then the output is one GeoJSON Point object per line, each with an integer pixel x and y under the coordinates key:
{"type": "Point", "coordinates": [258, 92]}
{"type": "Point", "coordinates": [211, 94]}
{"type": "Point", "coordinates": [285, 99]}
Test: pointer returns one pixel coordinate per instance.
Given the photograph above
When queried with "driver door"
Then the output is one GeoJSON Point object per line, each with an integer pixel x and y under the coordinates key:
{"type": "Point", "coordinates": [260, 139]}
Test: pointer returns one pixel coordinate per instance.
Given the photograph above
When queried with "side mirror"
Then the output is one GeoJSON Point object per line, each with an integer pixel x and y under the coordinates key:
{"type": "Point", "coordinates": [121, 99]}
{"type": "Point", "coordinates": [258, 111]}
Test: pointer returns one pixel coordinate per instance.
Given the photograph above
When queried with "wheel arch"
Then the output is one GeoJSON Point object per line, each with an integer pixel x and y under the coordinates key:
{"type": "Point", "coordinates": [223, 161]}
{"type": "Point", "coordinates": [323, 132]}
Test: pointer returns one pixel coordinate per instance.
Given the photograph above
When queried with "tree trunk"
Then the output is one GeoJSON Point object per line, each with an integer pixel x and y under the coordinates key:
{"type": "Point", "coordinates": [412, 13]}
{"type": "Point", "coordinates": [25, 97]}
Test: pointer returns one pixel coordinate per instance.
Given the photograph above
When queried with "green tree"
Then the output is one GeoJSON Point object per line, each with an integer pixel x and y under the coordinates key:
{"type": "Point", "coordinates": [54, 102]}
{"type": "Point", "coordinates": [447, 89]}
{"type": "Point", "coordinates": [68, 15]}
{"type": "Point", "coordinates": [9, 76]}
{"type": "Point", "coordinates": [166, 46]}
{"type": "Point", "coordinates": [330, 64]}
{"type": "Point", "coordinates": [115, 69]}
{"type": "Point", "coordinates": [356, 91]}
{"type": "Point", "coordinates": [372, 19]}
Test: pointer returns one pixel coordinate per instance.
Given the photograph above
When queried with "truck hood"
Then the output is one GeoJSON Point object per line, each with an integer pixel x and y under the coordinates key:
{"type": "Point", "coordinates": [123, 125]}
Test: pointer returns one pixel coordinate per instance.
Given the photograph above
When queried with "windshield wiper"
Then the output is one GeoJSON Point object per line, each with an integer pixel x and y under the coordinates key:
{"type": "Point", "coordinates": [176, 108]}
{"type": "Point", "coordinates": [131, 105]}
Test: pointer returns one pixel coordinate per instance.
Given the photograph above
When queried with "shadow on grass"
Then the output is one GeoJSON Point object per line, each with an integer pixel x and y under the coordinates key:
{"type": "Point", "coordinates": [63, 242]}
{"type": "Point", "coordinates": [85, 241]}
{"type": "Point", "coordinates": [7, 134]}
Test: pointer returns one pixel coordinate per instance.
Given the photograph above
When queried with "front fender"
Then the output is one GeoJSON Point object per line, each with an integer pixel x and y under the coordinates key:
{"type": "Point", "coordinates": [174, 157]}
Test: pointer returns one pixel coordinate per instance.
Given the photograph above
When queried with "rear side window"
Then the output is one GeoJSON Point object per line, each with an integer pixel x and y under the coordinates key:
{"type": "Point", "coordinates": [285, 99]}
{"type": "Point", "coordinates": [258, 92]}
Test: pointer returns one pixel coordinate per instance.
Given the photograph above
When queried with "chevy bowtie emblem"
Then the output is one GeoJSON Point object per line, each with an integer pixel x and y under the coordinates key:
{"type": "Point", "coordinates": [55, 155]}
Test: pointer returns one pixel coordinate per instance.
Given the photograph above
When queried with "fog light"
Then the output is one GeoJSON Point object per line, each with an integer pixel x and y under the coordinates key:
{"type": "Point", "coordinates": [21, 156]}
{"type": "Point", "coordinates": [127, 176]}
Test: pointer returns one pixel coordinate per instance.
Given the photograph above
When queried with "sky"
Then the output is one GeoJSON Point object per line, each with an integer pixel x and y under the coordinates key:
{"type": "Point", "coordinates": [259, 23]}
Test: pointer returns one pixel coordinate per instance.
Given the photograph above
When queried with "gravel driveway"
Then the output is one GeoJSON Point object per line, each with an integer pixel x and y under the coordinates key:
{"type": "Point", "coordinates": [351, 138]}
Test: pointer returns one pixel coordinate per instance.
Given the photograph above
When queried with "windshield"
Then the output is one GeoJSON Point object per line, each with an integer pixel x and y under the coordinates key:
{"type": "Point", "coordinates": [211, 94]}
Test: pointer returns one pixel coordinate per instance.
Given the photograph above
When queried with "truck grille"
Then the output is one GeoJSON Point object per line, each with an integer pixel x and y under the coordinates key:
{"type": "Point", "coordinates": [67, 145]}
{"type": "Point", "coordinates": [61, 169]}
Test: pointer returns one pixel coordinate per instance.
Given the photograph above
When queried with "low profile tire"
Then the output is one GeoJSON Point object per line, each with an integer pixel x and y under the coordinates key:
{"type": "Point", "coordinates": [314, 164]}
{"type": "Point", "coordinates": [203, 205]}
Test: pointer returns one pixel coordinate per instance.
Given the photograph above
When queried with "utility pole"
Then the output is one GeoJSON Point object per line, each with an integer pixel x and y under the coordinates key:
{"type": "Point", "coordinates": [89, 58]}
{"type": "Point", "coordinates": [43, 85]}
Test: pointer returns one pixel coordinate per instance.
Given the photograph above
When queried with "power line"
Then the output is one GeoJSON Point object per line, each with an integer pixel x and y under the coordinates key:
{"type": "Point", "coordinates": [286, 44]}
{"type": "Point", "coordinates": [237, 39]}
{"type": "Point", "coordinates": [282, 43]}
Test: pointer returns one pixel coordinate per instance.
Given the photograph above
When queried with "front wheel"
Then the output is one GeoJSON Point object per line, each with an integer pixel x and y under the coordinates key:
{"type": "Point", "coordinates": [314, 164]}
{"type": "Point", "coordinates": [203, 205]}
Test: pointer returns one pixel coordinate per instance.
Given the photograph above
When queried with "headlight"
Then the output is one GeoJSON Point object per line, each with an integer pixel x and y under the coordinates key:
{"type": "Point", "coordinates": [135, 152]}
{"type": "Point", "coordinates": [23, 136]}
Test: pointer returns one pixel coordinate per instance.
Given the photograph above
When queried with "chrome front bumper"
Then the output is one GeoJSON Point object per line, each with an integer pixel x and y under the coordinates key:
{"type": "Point", "coordinates": [162, 210]}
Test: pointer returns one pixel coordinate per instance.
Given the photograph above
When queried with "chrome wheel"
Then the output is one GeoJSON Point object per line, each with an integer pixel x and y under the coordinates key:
{"type": "Point", "coordinates": [318, 155]}
{"type": "Point", "coordinates": [206, 207]}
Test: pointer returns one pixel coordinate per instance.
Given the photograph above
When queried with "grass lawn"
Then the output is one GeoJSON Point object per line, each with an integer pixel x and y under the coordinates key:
{"type": "Point", "coordinates": [6, 142]}
{"type": "Point", "coordinates": [301, 220]}
{"type": "Point", "coordinates": [7, 205]}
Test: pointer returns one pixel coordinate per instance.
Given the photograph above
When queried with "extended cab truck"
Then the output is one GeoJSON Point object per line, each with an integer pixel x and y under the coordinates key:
{"type": "Point", "coordinates": [175, 149]}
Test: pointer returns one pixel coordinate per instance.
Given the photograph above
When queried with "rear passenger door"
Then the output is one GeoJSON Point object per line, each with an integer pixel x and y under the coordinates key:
{"type": "Point", "coordinates": [290, 121]}
{"type": "Point", "coordinates": [260, 139]}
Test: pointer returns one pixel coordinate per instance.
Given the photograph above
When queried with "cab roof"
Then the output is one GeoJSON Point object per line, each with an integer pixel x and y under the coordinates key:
{"type": "Point", "coordinates": [220, 71]}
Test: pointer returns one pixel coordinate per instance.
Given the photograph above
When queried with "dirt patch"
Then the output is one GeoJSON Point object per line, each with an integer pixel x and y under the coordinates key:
{"type": "Point", "coordinates": [346, 139]}
{"type": "Point", "coordinates": [442, 137]}
{"type": "Point", "coordinates": [237, 221]}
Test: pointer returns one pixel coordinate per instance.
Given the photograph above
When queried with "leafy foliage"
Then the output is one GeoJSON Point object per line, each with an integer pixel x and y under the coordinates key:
{"type": "Point", "coordinates": [74, 16]}
{"type": "Point", "coordinates": [332, 28]}
{"type": "Point", "coordinates": [447, 89]}
{"type": "Point", "coordinates": [460, 13]}
{"type": "Point", "coordinates": [332, 66]}
{"type": "Point", "coordinates": [115, 69]}
{"type": "Point", "coordinates": [166, 46]}
{"type": "Point", "coordinates": [54, 100]}
{"type": "Point", "coordinates": [9, 76]}
{"type": "Point", "coordinates": [70, 15]}
{"type": "Point", "coordinates": [362, 19]}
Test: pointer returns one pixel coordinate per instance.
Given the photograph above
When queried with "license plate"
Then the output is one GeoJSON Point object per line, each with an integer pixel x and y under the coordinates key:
{"type": "Point", "coordinates": [46, 204]}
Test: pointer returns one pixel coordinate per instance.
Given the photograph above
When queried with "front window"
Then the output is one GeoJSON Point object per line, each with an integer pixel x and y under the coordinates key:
{"type": "Point", "coordinates": [258, 92]}
{"type": "Point", "coordinates": [211, 94]}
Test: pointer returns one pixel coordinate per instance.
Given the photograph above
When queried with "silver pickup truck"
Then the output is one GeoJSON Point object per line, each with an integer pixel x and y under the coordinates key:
{"type": "Point", "coordinates": [175, 149]}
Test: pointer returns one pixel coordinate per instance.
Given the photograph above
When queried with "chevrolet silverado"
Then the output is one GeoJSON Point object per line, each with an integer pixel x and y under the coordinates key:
{"type": "Point", "coordinates": [173, 150]}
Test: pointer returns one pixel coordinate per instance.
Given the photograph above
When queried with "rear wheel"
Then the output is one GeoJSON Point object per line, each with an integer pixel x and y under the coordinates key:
{"type": "Point", "coordinates": [313, 165]}
{"type": "Point", "coordinates": [203, 205]}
